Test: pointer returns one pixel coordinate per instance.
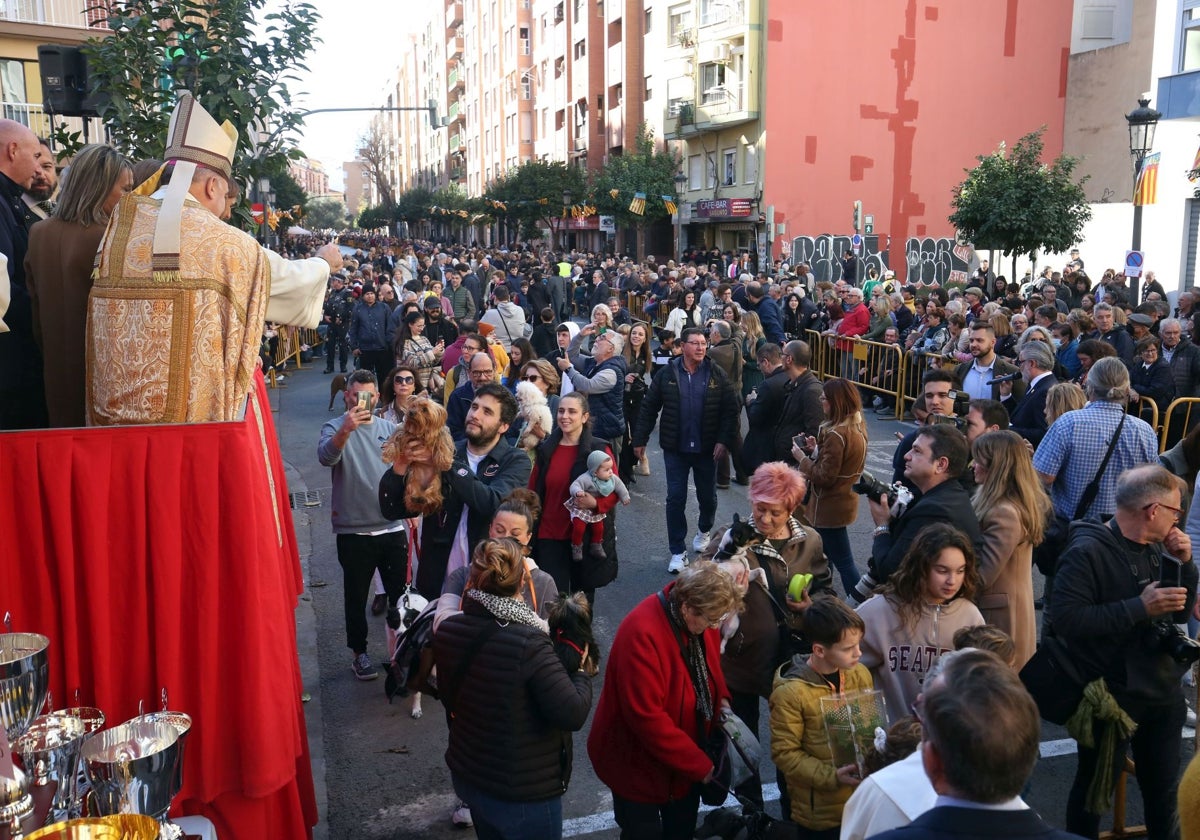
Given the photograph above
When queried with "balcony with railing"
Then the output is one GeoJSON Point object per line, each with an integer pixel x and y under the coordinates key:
{"type": "Point", "coordinates": [454, 112]}
{"type": "Point", "coordinates": [74, 14]}
{"type": "Point", "coordinates": [722, 13]}
{"type": "Point", "coordinates": [454, 14]}
{"type": "Point", "coordinates": [454, 80]}
{"type": "Point", "coordinates": [723, 105]}
{"type": "Point", "coordinates": [454, 47]}
{"type": "Point", "coordinates": [457, 142]}
{"type": "Point", "coordinates": [33, 116]}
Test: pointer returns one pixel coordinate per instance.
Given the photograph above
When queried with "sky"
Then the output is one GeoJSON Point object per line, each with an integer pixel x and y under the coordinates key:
{"type": "Point", "coordinates": [361, 40]}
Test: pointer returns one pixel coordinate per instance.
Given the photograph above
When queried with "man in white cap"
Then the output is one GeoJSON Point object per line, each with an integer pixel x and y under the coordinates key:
{"type": "Point", "coordinates": [175, 317]}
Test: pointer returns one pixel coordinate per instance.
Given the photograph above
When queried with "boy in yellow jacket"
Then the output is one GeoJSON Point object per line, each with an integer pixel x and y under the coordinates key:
{"type": "Point", "coordinates": [799, 744]}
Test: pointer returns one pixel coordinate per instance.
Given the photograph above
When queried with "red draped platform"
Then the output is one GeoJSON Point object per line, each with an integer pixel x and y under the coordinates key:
{"type": "Point", "coordinates": [164, 557]}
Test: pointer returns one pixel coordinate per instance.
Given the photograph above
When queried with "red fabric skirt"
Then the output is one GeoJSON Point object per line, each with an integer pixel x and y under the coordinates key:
{"type": "Point", "coordinates": [164, 557]}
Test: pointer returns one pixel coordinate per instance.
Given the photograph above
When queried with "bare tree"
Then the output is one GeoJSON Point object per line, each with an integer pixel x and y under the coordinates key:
{"type": "Point", "coordinates": [375, 150]}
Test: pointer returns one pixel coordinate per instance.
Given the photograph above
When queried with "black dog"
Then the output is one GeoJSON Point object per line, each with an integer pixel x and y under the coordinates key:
{"type": "Point", "coordinates": [570, 622]}
{"type": "Point", "coordinates": [737, 539]}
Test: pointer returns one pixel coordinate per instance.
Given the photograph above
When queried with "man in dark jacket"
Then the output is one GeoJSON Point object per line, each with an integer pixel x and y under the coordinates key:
{"type": "Point", "coordinates": [1027, 416]}
{"type": "Point", "coordinates": [933, 465]}
{"type": "Point", "coordinates": [368, 335]}
{"type": "Point", "coordinates": [763, 407]}
{"type": "Point", "coordinates": [1118, 337]}
{"type": "Point", "coordinates": [485, 470]}
{"type": "Point", "coordinates": [598, 293]}
{"type": "Point", "coordinates": [758, 302]}
{"type": "Point", "coordinates": [602, 377]}
{"type": "Point", "coordinates": [727, 353]}
{"type": "Point", "coordinates": [338, 308]}
{"type": "Point", "coordinates": [1119, 590]}
{"type": "Point", "coordinates": [802, 412]}
{"type": "Point", "coordinates": [699, 411]}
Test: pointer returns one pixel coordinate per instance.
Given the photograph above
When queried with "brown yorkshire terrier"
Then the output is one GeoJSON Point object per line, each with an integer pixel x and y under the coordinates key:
{"type": "Point", "coordinates": [424, 424]}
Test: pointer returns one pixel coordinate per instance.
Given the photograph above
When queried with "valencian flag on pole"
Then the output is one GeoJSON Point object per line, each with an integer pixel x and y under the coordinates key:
{"type": "Point", "coordinates": [1145, 190]}
{"type": "Point", "coordinates": [669, 202]}
{"type": "Point", "coordinates": [638, 205]}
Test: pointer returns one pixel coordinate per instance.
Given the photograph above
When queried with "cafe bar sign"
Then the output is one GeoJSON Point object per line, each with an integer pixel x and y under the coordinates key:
{"type": "Point", "coordinates": [724, 208]}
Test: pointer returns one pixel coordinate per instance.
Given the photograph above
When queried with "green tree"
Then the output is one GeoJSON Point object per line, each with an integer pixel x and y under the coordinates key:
{"type": "Point", "coordinates": [1016, 203]}
{"type": "Point", "coordinates": [378, 216]}
{"type": "Point", "coordinates": [648, 170]}
{"type": "Point", "coordinates": [414, 205]}
{"type": "Point", "coordinates": [533, 195]}
{"type": "Point", "coordinates": [325, 214]}
{"type": "Point", "coordinates": [234, 56]}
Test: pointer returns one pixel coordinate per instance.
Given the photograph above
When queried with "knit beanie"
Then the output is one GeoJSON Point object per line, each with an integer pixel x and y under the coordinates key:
{"type": "Point", "coordinates": [596, 459]}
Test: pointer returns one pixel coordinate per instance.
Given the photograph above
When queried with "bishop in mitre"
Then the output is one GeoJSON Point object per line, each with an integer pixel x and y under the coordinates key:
{"type": "Point", "coordinates": [176, 312]}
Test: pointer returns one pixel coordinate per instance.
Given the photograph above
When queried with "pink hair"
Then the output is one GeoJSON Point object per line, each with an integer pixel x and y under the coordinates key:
{"type": "Point", "coordinates": [778, 483]}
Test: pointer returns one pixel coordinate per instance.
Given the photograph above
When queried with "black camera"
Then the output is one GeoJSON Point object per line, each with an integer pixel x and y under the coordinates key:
{"type": "Point", "coordinates": [1166, 638]}
{"type": "Point", "coordinates": [958, 422]}
{"type": "Point", "coordinates": [871, 487]}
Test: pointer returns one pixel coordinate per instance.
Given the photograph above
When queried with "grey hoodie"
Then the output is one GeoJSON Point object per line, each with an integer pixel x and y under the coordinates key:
{"type": "Point", "coordinates": [509, 321]}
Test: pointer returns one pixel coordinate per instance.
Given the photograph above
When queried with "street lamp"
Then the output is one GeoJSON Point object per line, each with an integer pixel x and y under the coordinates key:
{"type": "Point", "coordinates": [680, 181]}
{"type": "Point", "coordinates": [1142, 122]}
{"type": "Point", "coordinates": [566, 198]}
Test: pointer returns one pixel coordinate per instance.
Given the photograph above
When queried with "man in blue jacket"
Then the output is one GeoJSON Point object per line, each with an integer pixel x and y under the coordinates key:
{"type": "Point", "coordinates": [485, 470]}
{"type": "Point", "coordinates": [368, 334]}
{"type": "Point", "coordinates": [767, 310]}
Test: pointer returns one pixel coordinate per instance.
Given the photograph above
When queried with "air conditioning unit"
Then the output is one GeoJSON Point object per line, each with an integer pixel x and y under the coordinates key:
{"type": "Point", "coordinates": [580, 144]}
{"type": "Point", "coordinates": [724, 50]}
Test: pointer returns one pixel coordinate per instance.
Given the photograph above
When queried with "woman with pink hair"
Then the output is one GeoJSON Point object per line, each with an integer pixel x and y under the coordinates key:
{"type": "Point", "coordinates": [764, 553]}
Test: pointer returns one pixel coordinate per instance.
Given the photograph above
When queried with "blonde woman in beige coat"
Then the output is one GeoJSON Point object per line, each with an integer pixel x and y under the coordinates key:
{"type": "Point", "coordinates": [1012, 507]}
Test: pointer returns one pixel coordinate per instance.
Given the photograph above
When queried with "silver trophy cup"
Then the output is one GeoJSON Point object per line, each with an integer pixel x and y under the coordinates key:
{"type": "Point", "coordinates": [93, 721]}
{"type": "Point", "coordinates": [24, 680]}
{"type": "Point", "coordinates": [134, 768]}
{"type": "Point", "coordinates": [49, 752]}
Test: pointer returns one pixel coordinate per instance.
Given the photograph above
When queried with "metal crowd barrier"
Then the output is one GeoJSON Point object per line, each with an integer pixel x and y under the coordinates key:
{"type": "Point", "coordinates": [1177, 421]}
{"type": "Point", "coordinates": [635, 304]}
{"type": "Point", "coordinates": [874, 366]}
{"type": "Point", "coordinates": [291, 344]}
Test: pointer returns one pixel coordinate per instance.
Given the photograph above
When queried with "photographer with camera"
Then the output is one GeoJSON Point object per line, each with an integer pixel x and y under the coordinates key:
{"type": "Point", "coordinates": [1120, 589]}
{"type": "Point", "coordinates": [933, 466]}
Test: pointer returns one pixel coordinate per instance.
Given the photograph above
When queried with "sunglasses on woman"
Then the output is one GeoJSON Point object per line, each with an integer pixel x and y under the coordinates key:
{"type": "Point", "coordinates": [533, 377]}
{"type": "Point", "coordinates": [403, 380]}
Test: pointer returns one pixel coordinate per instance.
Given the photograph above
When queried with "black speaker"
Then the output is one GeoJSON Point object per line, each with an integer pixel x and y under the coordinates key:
{"type": "Point", "coordinates": [64, 72]}
{"type": "Point", "coordinates": [64, 76]}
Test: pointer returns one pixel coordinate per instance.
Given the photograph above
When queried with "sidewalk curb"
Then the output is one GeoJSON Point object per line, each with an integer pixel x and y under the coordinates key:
{"type": "Point", "coordinates": [310, 665]}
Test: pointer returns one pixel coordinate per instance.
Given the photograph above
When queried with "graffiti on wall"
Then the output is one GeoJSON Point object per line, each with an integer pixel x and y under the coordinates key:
{"type": "Point", "coordinates": [939, 260]}
{"type": "Point", "coordinates": [928, 259]}
{"type": "Point", "coordinates": [824, 255]}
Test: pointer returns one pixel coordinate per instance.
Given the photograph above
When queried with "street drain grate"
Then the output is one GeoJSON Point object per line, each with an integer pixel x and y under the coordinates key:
{"type": "Point", "coordinates": [309, 498]}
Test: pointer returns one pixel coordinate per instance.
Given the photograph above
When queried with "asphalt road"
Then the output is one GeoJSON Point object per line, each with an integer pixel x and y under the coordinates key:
{"type": "Point", "coordinates": [380, 773]}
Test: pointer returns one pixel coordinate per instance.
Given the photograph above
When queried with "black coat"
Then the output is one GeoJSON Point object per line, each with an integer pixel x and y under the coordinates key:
{"type": "Point", "coordinates": [1157, 383]}
{"type": "Point", "coordinates": [802, 414]}
{"type": "Point", "coordinates": [954, 823]}
{"type": "Point", "coordinates": [1185, 368]}
{"type": "Point", "coordinates": [947, 502]}
{"type": "Point", "coordinates": [512, 706]}
{"type": "Point", "coordinates": [717, 425]}
{"type": "Point", "coordinates": [1028, 416]}
{"type": "Point", "coordinates": [500, 472]}
{"type": "Point", "coordinates": [763, 413]}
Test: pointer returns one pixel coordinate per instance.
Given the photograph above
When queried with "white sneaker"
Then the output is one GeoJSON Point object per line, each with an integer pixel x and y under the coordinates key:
{"type": "Point", "coordinates": [461, 815]}
{"type": "Point", "coordinates": [701, 540]}
{"type": "Point", "coordinates": [1190, 720]}
{"type": "Point", "coordinates": [677, 564]}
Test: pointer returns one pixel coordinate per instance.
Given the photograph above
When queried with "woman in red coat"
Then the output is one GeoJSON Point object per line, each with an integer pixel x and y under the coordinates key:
{"type": "Point", "coordinates": [663, 695]}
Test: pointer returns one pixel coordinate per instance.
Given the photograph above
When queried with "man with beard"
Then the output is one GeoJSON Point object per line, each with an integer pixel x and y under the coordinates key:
{"type": "Point", "coordinates": [481, 369]}
{"type": "Point", "coordinates": [437, 327]}
{"type": "Point", "coordinates": [37, 201]}
{"type": "Point", "coordinates": [485, 470]}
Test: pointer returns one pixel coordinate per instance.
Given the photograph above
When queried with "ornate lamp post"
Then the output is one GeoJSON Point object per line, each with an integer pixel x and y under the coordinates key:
{"type": "Point", "coordinates": [567, 197]}
{"type": "Point", "coordinates": [1142, 122]}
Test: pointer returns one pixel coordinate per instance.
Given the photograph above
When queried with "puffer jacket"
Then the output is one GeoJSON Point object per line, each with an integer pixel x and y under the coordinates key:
{"type": "Point", "coordinates": [752, 654]}
{"type": "Point", "coordinates": [510, 709]}
{"type": "Point", "coordinates": [720, 410]}
{"type": "Point", "coordinates": [800, 744]}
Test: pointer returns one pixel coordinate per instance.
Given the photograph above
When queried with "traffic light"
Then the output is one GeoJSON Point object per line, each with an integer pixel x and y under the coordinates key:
{"type": "Point", "coordinates": [433, 116]}
{"type": "Point", "coordinates": [858, 217]}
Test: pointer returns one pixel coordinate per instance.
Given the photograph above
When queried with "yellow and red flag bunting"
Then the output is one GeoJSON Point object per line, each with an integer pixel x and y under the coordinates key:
{"type": "Point", "coordinates": [1145, 189]}
{"type": "Point", "coordinates": [614, 193]}
{"type": "Point", "coordinates": [638, 205]}
{"type": "Point", "coordinates": [669, 203]}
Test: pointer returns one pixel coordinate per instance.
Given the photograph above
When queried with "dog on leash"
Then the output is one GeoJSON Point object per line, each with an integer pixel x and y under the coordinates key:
{"type": "Point", "coordinates": [570, 620]}
{"type": "Point", "coordinates": [336, 386]}
{"type": "Point", "coordinates": [410, 649]}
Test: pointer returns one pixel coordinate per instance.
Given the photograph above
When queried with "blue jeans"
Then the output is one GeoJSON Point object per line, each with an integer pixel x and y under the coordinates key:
{"type": "Point", "coordinates": [704, 470]}
{"type": "Point", "coordinates": [837, 548]}
{"type": "Point", "coordinates": [503, 819]}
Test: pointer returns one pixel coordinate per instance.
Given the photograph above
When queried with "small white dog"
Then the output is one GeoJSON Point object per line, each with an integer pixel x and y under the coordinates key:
{"type": "Point", "coordinates": [534, 410]}
{"type": "Point", "coordinates": [410, 606]}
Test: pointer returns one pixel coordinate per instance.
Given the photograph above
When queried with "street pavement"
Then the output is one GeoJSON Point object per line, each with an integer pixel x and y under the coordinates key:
{"type": "Point", "coordinates": [380, 773]}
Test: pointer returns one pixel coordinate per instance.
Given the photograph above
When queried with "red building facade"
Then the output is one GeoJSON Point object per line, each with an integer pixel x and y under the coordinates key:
{"type": "Point", "coordinates": [888, 103]}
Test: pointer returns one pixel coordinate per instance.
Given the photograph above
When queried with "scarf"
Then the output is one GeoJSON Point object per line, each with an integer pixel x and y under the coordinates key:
{"type": "Point", "coordinates": [507, 609]}
{"type": "Point", "coordinates": [693, 658]}
{"type": "Point", "coordinates": [603, 488]}
{"type": "Point", "coordinates": [1099, 706]}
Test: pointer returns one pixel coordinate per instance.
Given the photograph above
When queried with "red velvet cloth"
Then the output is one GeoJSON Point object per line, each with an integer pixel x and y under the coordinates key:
{"type": "Point", "coordinates": [162, 557]}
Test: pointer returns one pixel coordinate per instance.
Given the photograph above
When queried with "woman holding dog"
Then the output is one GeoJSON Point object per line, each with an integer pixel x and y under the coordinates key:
{"type": "Point", "coordinates": [561, 458]}
{"type": "Point", "coordinates": [767, 634]}
{"type": "Point", "coordinates": [511, 700]}
{"type": "Point", "coordinates": [663, 696]}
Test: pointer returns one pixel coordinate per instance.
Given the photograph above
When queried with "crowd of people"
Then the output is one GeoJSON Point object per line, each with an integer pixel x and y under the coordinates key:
{"type": "Point", "coordinates": [1028, 450]}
